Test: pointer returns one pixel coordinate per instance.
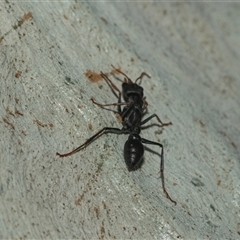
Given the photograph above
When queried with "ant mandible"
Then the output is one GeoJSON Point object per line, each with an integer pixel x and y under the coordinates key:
{"type": "Point", "coordinates": [135, 105]}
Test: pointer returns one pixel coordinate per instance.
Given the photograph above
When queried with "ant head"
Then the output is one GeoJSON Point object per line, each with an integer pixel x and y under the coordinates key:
{"type": "Point", "coordinates": [130, 89]}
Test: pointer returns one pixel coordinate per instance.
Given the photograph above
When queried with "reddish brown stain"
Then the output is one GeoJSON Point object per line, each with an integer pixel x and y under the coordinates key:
{"type": "Point", "coordinates": [102, 231]}
{"type": "Point", "coordinates": [96, 210]}
{"type": "Point", "coordinates": [18, 74]}
{"type": "Point", "coordinates": [9, 112]}
{"type": "Point", "coordinates": [9, 123]}
{"type": "Point", "coordinates": [90, 126]}
{"type": "Point", "coordinates": [96, 77]}
{"type": "Point", "coordinates": [39, 123]}
{"type": "Point", "coordinates": [78, 201]}
{"type": "Point", "coordinates": [234, 145]}
{"type": "Point", "coordinates": [13, 114]}
{"type": "Point", "coordinates": [24, 133]}
{"type": "Point", "coordinates": [93, 76]}
{"type": "Point", "coordinates": [201, 123]}
{"type": "Point", "coordinates": [104, 205]}
{"type": "Point", "coordinates": [25, 17]}
{"type": "Point", "coordinates": [228, 138]}
{"type": "Point", "coordinates": [18, 113]}
{"type": "Point", "coordinates": [104, 20]}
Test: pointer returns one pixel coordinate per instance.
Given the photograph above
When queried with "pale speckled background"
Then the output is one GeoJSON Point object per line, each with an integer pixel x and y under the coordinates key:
{"type": "Point", "coordinates": [192, 53]}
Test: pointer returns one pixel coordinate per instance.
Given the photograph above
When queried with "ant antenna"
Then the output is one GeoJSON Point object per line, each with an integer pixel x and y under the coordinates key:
{"type": "Point", "coordinates": [119, 71]}
{"type": "Point", "coordinates": [141, 76]}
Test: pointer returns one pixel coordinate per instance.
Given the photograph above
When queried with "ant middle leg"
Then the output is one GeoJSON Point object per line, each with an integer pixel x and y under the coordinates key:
{"type": "Point", "coordinates": [146, 141]}
{"type": "Point", "coordinates": [91, 139]}
{"type": "Point", "coordinates": [159, 120]}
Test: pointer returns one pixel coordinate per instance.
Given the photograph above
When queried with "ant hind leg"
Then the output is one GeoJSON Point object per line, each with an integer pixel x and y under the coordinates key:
{"type": "Point", "coordinates": [161, 167]}
{"type": "Point", "coordinates": [91, 139]}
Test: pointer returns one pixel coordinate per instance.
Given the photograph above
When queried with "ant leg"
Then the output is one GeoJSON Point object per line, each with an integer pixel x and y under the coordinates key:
{"type": "Point", "coordinates": [115, 88]}
{"type": "Point", "coordinates": [141, 76]}
{"type": "Point", "coordinates": [127, 110]}
{"type": "Point", "coordinates": [111, 83]}
{"type": "Point", "coordinates": [119, 71]}
{"type": "Point", "coordinates": [145, 103]}
{"type": "Point", "coordinates": [161, 167]}
{"type": "Point", "coordinates": [91, 139]}
{"type": "Point", "coordinates": [110, 104]}
{"type": "Point", "coordinates": [127, 78]}
{"type": "Point", "coordinates": [159, 120]}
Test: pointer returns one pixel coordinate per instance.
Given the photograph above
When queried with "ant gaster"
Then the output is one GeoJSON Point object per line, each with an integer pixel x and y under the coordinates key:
{"type": "Point", "coordinates": [135, 105]}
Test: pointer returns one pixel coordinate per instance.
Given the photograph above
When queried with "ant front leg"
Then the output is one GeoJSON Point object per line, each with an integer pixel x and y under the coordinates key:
{"type": "Point", "coordinates": [114, 87]}
{"type": "Point", "coordinates": [161, 167]}
{"type": "Point", "coordinates": [91, 139]}
{"type": "Point", "coordinates": [109, 104]}
{"type": "Point", "coordinates": [159, 120]}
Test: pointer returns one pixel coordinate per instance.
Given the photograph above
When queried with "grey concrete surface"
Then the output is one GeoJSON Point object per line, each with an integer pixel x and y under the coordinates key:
{"type": "Point", "coordinates": [192, 53]}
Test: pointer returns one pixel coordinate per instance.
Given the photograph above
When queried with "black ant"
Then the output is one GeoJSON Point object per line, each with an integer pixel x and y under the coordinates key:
{"type": "Point", "coordinates": [131, 115]}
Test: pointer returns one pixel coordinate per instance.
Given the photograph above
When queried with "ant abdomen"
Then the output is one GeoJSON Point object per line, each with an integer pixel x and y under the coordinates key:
{"type": "Point", "coordinates": [133, 152]}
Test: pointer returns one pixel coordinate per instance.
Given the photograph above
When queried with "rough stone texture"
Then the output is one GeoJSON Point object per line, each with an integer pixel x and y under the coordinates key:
{"type": "Point", "coordinates": [191, 52]}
